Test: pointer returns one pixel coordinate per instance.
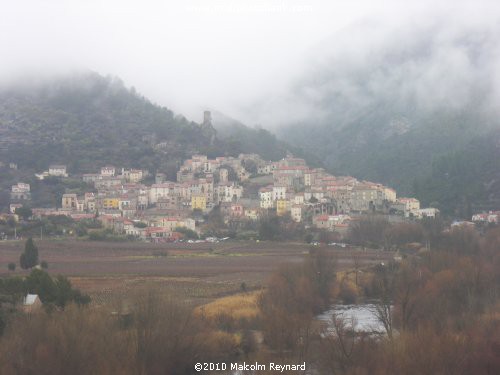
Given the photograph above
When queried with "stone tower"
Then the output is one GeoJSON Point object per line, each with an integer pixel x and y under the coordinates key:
{"type": "Point", "coordinates": [207, 118]}
{"type": "Point", "coordinates": [207, 127]}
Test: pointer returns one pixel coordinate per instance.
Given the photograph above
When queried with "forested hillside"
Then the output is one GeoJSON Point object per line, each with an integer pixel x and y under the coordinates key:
{"type": "Point", "coordinates": [86, 120]}
{"type": "Point", "coordinates": [420, 116]}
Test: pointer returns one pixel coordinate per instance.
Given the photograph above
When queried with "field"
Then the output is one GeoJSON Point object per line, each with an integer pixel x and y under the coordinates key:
{"type": "Point", "coordinates": [199, 273]}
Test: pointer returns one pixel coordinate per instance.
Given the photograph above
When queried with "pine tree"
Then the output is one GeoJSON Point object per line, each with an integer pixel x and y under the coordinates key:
{"type": "Point", "coordinates": [29, 258]}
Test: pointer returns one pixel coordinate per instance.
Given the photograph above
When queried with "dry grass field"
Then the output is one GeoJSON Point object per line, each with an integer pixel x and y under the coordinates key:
{"type": "Point", "coordinates": [238, 306]}
{"type": "Point", "coordinates": [200, 273]}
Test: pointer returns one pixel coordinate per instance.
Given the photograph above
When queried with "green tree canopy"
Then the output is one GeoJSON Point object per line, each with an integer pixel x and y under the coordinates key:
{"type": "Point", "coordinates": [29, 258]}
{"type": "Point", "coordinates": [24, 212]}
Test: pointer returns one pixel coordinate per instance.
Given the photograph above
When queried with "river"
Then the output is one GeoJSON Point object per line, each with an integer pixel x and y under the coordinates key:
{"type": "Point", "coordinates": [363, 316]}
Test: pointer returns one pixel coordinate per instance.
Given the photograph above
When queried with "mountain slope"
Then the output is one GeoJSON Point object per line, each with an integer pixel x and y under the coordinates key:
{"type": "Point", "coordinates": [86, 120]}
{"type": "Point", "coordinates": [390, 104]}
{"type": "Point", "coordinates": [258, 140]}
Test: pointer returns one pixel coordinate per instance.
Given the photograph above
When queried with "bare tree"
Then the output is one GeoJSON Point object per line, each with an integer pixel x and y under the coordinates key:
{"type": "Point", "coordinates": [337, 344]}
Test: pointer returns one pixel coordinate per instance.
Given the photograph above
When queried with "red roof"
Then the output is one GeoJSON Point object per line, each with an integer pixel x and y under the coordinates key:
{"type": "Point", "coordinates": [321, 218]}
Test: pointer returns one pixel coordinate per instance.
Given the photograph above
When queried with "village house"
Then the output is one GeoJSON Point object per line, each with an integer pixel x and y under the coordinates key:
{"type": "Point", "coordinates": [108, 171]}
{"type": "Point", "coordinates": [366, 197]}
{"type": "Point", "coordinates": [173, 202]}
{"type": "Point", "coordinates": [20, 191]}
{"type": "Point", "coordinates": [237, 210]}
{"type": "Point", "coordinates": [296, 213]}
{"type": "Point", "coordinates": [173, 222]}
{"type": "Point", "coordinates": [389, 194]}
{"type": "Point", "coordinates": [132, 175]}
{"type": "Point", "coordinates": [41, 212]}
{"type": "Point", "coordinates": [228, 192]}
{"type": "Point", "coordinates": [410, 205]}
{"type": "Point", "coordinates": [108, 183]}
{"type": "Point", "coordinates": [426, 212]}
{"type": "Point", "coordinates": [89, 201]}
{"type": "Point", "coordinates": [252, 213]}
{"type": "Point", "coordinates": [31, 303]}
{"type": "Point", "coordinates": [331, 222]}
{"type": "Point", "coordinates": [316, 192]}
{"type": "Point", "coordinates": [158, 191]}
{"type": "Point", "coordinates": [91, 178]}
{"type": "Point", "coordinates": [490, 217]}
{"type": "Point", "coordinates": [184, 175]}
{"type": "Point", "coordinates": [69, 202]}
{"type": "Point", "coordinates": [58, 170]}
{"type": "Point", "coordinates": [279, 192]}
{"type": "Point", "coordinates": [198, 202]}
{"type": "Point", "coordinates": [131, 230]}
{"type": "Point", "coordinates": [265, 169]}
{"type": "Point", "coordinates": [110, 203]}
{"type": "Point", "coordinates": [266, 197]}
{"type": "Point", "coordinates": [281, 207]}
{"type": "Point", "coordinates": [156, 234]}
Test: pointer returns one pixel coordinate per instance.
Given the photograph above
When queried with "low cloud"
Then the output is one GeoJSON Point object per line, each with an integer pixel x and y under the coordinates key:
{"type": "Point", "coordinates": [433, 60]}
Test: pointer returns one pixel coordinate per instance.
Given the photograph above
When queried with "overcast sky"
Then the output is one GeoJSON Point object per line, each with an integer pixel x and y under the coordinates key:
{"type": "Point", "coordinates": [195, 54]}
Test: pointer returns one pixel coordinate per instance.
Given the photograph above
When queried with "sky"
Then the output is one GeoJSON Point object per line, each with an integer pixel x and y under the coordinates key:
{"type": "Point", "coordinates": [202, 54]}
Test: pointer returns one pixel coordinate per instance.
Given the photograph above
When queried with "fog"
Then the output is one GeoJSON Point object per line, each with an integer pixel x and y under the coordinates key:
{"type": "Point", "coordinates": [262, 62]}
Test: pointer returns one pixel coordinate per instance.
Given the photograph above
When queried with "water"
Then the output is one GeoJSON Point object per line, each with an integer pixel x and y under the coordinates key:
{"type": "Point", "coordinates": [362, 316]}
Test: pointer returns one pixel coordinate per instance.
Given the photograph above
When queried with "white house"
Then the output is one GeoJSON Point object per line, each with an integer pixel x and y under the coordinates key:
{"type": "Point", "coordinates": [31, 303]}
{"type": "Point", "coordinates": [58, 171]}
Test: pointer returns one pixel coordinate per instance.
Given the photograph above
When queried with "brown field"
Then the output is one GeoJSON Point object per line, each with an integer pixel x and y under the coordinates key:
{"type": "Point", "coordinates": [197, 272]}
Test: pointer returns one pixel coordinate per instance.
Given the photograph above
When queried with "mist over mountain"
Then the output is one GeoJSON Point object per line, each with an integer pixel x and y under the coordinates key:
{"type": "Point", "coordinates": [390, 102]}
{"type": "Point", "coordinates": [86, 120]}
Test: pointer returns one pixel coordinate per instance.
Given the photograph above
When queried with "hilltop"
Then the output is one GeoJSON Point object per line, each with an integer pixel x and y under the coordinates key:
{"type": "Point", "coordinates": [85, 120]}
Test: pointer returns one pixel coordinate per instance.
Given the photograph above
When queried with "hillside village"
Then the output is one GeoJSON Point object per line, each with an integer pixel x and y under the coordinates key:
{"type": "Point", "coordinates": [235, 191]}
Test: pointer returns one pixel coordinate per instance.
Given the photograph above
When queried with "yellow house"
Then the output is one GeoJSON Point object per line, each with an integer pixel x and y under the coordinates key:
{"type": "Point", "coordinates": [111, 203]}
{"type": "Point", "coordinates": [281, 207]}
{"type": "Point", "coordinates": [198, 202]}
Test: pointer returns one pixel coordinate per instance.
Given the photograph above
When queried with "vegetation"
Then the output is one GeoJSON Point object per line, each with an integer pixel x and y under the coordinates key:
{"type": "Point", "coordinates": [439, 309]}
{"type": "Point", "coordinates": [293, 296]}
{"type": "Point", "coordinates": [157, 335]}
{"type": "Point", "coordinates": [280, 228]}
{"type": "Point", "coordinates": [188, 233]}
{"type": "Point", "coordinates": [447, 159]}
{"type": "Point", "coordinates": [233, 312]}
{"type": "Point", "coordinates": [52, 292]}
{"type": "Point", "coordinates": [24, 212]}
{"type": "Point", "coordinates": [29, 258]}
{"type": "Point", "coordinates": [58, 291]}
{"type": "Point", "coordinates": [464, 181]}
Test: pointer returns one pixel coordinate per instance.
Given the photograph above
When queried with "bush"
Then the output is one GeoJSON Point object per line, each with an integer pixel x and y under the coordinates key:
{"type": "Point", "coordinates": [188, 233]}
{"type": "Point", "coordinates": [140, 224]}
{"type": "Point", "coordinates": [97, 236]}
{"type": "Point", "coordinates": [44, 265]}
{"type": "Point", "coordinates": [11, 266]}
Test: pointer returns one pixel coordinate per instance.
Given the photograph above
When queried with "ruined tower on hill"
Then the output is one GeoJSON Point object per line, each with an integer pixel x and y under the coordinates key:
{"type": "Point", "coordinates": [207, 128]}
